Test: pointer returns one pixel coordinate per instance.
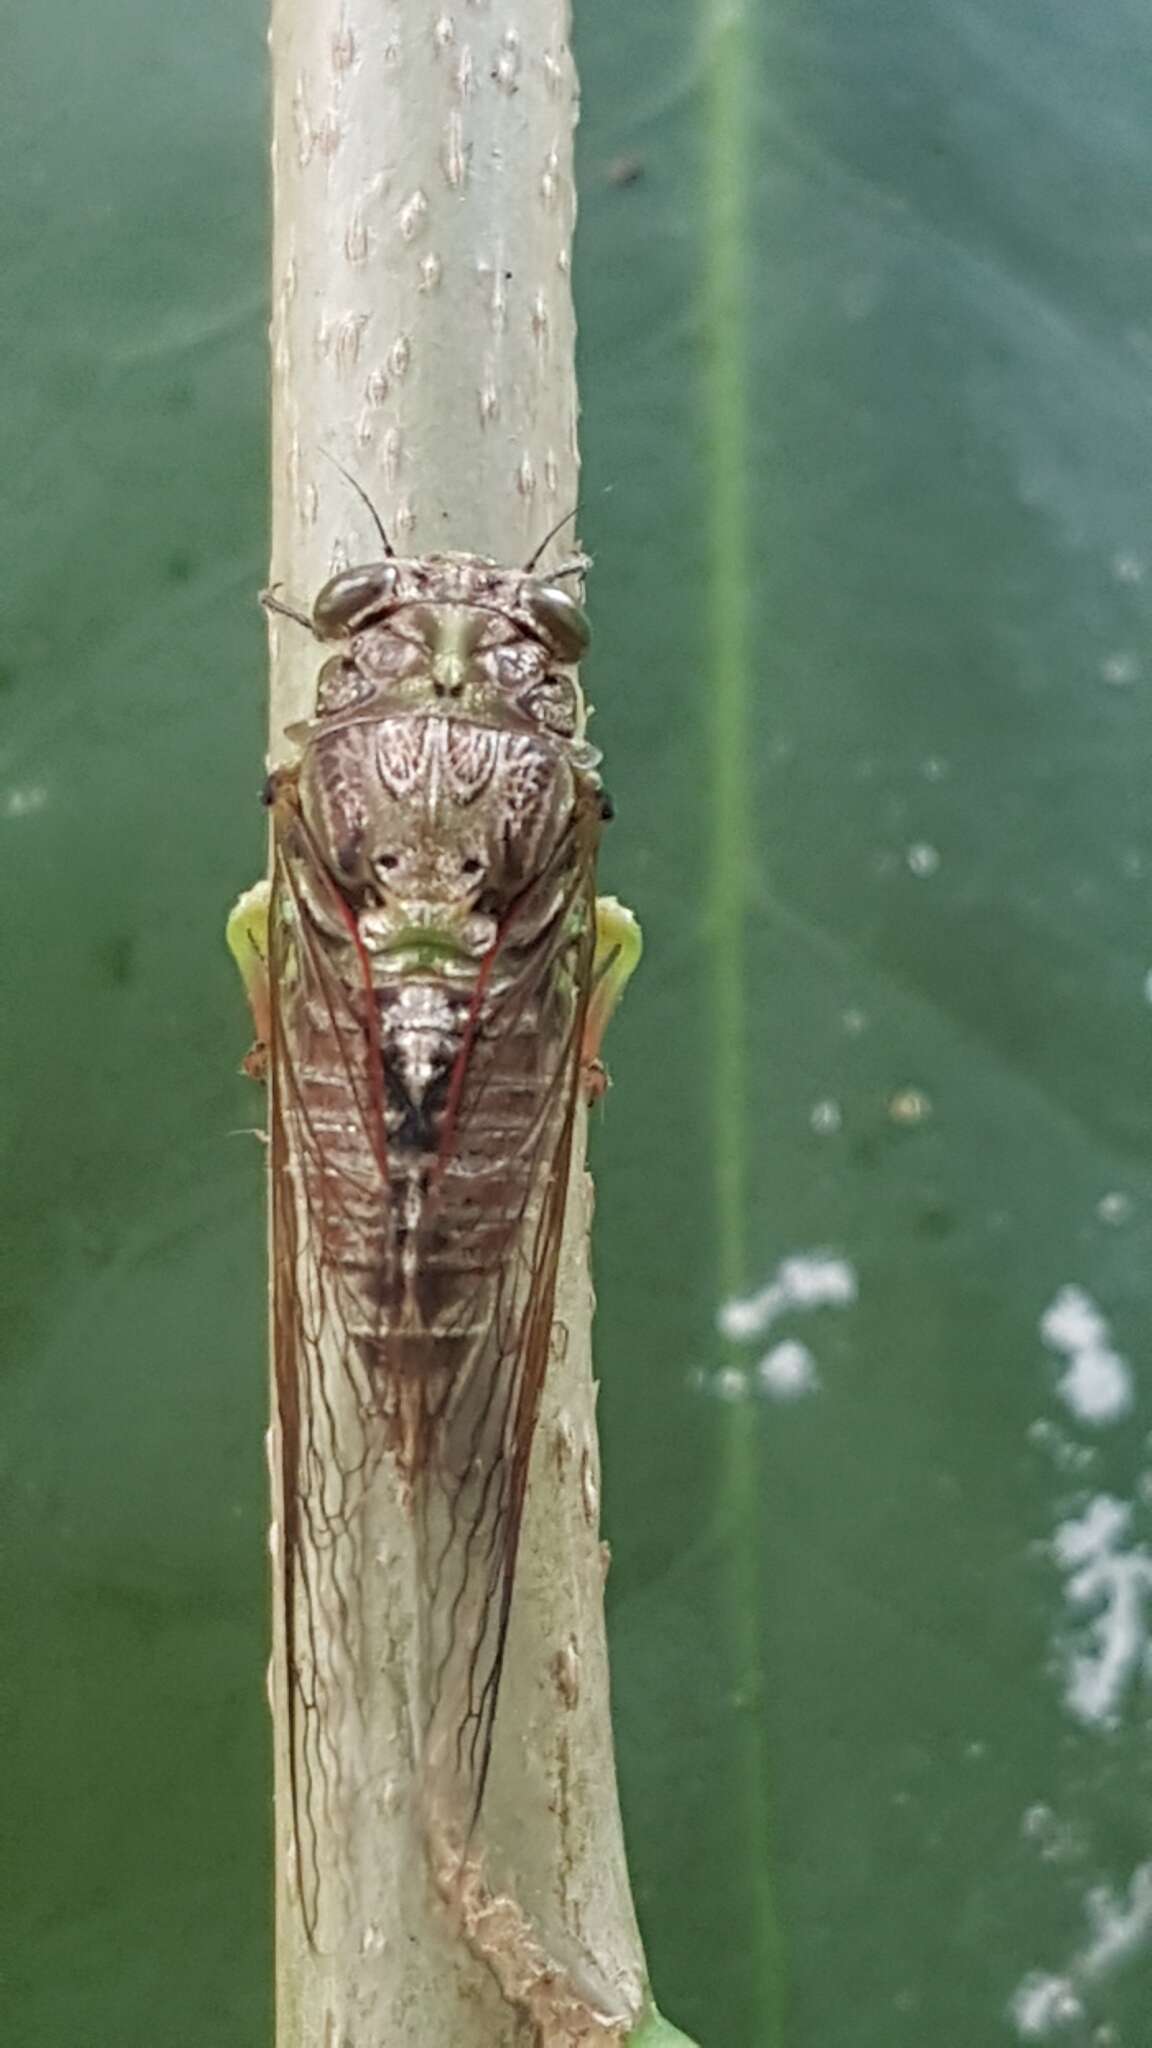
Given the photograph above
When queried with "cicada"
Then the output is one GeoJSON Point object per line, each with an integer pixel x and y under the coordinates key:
{"type": "Point", "coordinates": [428, 1009]}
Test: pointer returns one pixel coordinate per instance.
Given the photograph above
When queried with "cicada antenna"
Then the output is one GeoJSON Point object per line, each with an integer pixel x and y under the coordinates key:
{"type": "Point", "coordinates": [530, 564]}
{"type": "Point", "coordinates": [362, 494]}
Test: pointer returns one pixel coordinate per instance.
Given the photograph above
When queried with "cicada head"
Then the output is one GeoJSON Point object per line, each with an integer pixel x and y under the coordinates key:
{"type": "Point", "coordinates": [454, 633]}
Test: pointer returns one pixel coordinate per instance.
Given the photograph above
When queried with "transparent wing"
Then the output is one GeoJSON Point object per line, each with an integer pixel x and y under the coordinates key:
{"type": "Point", "coordinates": [454, 1393]}
{"type": "Point", "coordinates": [329, 1188]}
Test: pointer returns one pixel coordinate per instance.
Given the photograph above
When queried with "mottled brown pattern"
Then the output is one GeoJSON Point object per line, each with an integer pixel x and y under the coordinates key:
{"type": "Point", "coordinates": [431, 948]}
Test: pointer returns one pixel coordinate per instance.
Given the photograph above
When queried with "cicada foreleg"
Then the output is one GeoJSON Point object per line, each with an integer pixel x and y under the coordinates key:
{"type": "Point", "coordinates": [247, 935]}
{"type": "Point", "coordinates": [282, 610]}
{"type": "Point", "coordinates": [619, 944]}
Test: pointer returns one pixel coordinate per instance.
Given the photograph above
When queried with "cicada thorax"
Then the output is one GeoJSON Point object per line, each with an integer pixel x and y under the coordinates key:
{"type": "Point", "coordinates": [434, 903]}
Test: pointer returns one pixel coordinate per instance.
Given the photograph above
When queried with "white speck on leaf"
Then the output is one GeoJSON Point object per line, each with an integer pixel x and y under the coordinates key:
{"type": "Point", "coordinates": [1066, 1455]}
{"type": "Point", "coordinates": [1054, 1840]}
{"type": "Point", "coordinates": [1120, 668]}
{"type": "Point", "coordinates": [826, 1118]}
{"type": "Point", "coordinates": [788, 1371]}
{"type": "Point", "coordinates": [24, 802]}
{"type": "Point", "coordinates": [1045, 2003]}
{"type": "Point", "coordinates": [1096, 1385]}
{"type": "Point", "coordinates": [1041, 2003]}
{"type": "Point", "coordinates": [909, 1106]}
{"type": "Point", "coordinates": [805, 1280]}
{"type": "Point", "coordinates": [731, 1384]}
{"type": "Point", "coordinates": [922, 859]}
{"type": "Point", "coordinates": [1108, 1588]}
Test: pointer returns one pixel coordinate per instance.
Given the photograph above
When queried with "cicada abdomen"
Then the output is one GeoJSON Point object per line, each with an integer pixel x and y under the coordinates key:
{"type": "Point", "coordinates": [430, 961]}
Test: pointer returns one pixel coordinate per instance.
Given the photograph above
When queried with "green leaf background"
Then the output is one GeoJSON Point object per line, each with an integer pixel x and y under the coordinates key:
{"type": "Point", "coordinates": [866, 359]}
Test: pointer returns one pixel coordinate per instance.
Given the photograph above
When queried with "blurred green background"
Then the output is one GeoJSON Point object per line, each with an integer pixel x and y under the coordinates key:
{"type": "Point", "coordinates": [885, 1708]}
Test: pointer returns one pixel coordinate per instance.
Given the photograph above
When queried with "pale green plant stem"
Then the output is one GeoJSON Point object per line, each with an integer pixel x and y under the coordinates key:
{"type": "Point", "coordinates": [729, 155]}
{"type": "Point", "coordinates": [422, 335]}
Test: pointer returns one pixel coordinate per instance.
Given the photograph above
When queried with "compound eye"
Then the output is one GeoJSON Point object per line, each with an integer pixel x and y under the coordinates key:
{"type": "Point", "coordinates": [349, 600]}
{"type": "Point", "coordinates": [561, 622]}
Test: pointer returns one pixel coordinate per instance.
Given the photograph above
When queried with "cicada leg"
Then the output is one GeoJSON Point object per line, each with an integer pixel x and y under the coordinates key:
{"type": "Point", "coordinates": [247, 935]}
{"type": "Point", "coordinates": [272, 603]}
{"type": "Point", "coordinates": [619, 944]}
